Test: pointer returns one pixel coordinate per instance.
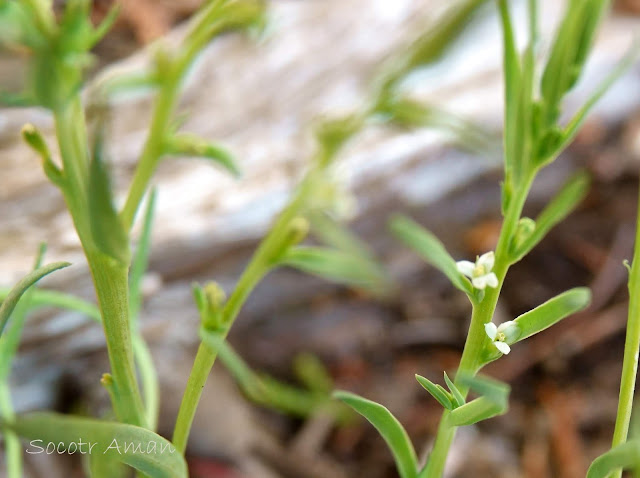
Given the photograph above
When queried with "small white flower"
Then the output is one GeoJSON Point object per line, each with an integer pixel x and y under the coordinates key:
{"type": "Point", "coordinates": [505, 332]}
{"type": "Point", "coordinates": [480, 271]}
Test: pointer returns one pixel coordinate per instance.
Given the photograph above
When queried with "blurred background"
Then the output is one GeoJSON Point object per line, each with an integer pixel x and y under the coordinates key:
{"type": "Point", "coordinates": [260, 97]}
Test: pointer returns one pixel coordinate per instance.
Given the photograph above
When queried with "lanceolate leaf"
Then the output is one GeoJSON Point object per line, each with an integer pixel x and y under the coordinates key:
{"type": "Point", "coordinates": [552, 311]}
{"type": "Point", "coordinates": [9, 303]}
{"type": "Point", "coordinates": [52, 298]}
{"type": "Point", "coordinates": [184, 144]}
{"type": "Point", "coordinates": [512, 71]}
{"type": "Point", "coordinates": [430, 249]}
{"type": "Point", "coordinates": [493, 401]}
{"type": "Point", "coordinates": [108, 232]}
{"type": "Point", "coordinates": [141, 259]}
{"type": "Point", "coordinates": [137, 447]}
{"type": "Point", "coordinates": [457, 396]}
{"type": "Point", "coordinates": [335, 265]}
{"type": "Point", "coordinates": [576, 122]}
{"type": "Point", "coordinates": [571, 194]}
{"type": "Point", "coordinates": [622, 457]}
{"type": "Point", "coordinates": [436, 392]}
{"type": "Point", "coordinates": [390, 429]}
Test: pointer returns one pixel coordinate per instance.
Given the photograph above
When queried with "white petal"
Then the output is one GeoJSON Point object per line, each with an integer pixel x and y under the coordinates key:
{"type": "Point", "coordinates": [491, 330]}
{"type": "Point", "coordinates": [487, 260]}
{"type": "Point", "coordinates": [491, 280]}
{"type": "Point", "coordinates": [465, 267]}
{"type": "Point", "coordinates": [502, 347]}
{"type": "Point", "coordinates": [480, 282]}
{"type": "Point", "coordinates": [505, 325]}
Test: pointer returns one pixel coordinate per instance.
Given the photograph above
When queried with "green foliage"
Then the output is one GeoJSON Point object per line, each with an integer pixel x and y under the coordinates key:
{"type": "Point", "coordinates": [107, 231]}
{"type": "Point", "coordinates": [621, 457]}
{"type": "Point", "coordinates": [336, 266]}
{"type": "Point", "coordinates": [493, 401]}
{"type": "Point", "coordinates": [184, 144]}
{"type": "Point", "coordinates": [389, 428]}
{"type": "Point", "coordinates": [12, 298]}
{"type": "Point", "coordinates": [565, 201]}
{"type": "Point", "coordinates": [552, 311]}
{"type": "Point", "coordinates": [8, 347]}
{"type": "Point", "coordinates": [134, 446]}
{"type": "Point", "coordinates": [428, 47]}
{"type": "Point", "coordinates": [430, 249]}
{"type": "Point", "coordinates": [438, 392]}
{"type": "Point", "coordinates": [275, 394]}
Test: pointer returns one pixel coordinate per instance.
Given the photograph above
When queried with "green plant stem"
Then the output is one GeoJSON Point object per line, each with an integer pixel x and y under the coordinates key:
{"type": "Point", "coordinates": [153, 147]}
{"type": "Point", "coordinates": [148, 378]}
{"type": "Point", "coordinates": [110, 277]}
{"type": "Point", "coordinates": [257, 268]}
{"type": "Point", "coordinates": [631, 349]}
{"type": "Point", "coordinates": [476, 337]}
{"type": "Point", "coordinates": [12, 445]}
{"type": "Point", "coordinates": [111, 283]}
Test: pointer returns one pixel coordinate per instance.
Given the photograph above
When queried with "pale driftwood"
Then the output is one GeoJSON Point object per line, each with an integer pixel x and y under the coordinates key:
{"type": "Point", "coordinates": [259, 99]}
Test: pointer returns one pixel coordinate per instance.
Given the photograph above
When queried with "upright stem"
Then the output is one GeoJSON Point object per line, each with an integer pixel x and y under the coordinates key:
{"type": "Point", "coordinates": [631, 349]}
{"type": "Point", "coordinates": [111, 283]}
{"type": "Point", "coordinates": [110, 278]}
{"type": "Point", "coordinates": [153, 148]}
{"type": "Point", "coordinates": [12, 445]}
{"type": "Point", "coordinates": [206, 356]}
{"type": "Point", "coordinates": [476, 337]}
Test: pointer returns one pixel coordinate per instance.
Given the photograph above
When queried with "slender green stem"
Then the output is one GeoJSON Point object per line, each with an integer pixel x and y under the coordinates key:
{"type": "Point", "coordinates": [111, 283]}
{"type": "Point", "coordinates": [631, 349]}
{"type": "Point", "coordinates": [110, 278]}
{"type": "Point", "coordinates": [256, 269]}
{"type": "Point", "coordinates": [153, 148]}
{"type": "Point", "coordinates": [149, 379]}
{"type": "Point", "coordinates": [476, 338]}
{"type": "Point", "coordinates": [12, 445]}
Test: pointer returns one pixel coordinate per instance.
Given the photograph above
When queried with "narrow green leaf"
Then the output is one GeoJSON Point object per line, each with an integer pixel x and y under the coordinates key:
{"type": "Point", "coordinates": [559, 72]}
{"type": "Point", "coordinates": [430, 249]}
{"type": "Point", "coordinates": [336, 235]}
{"type": "Point", "coordinates": [101, 466]}
{"type": "Point", "coordinates": [269, 392]}
{"type": "Point", "coordinates": [409, 113]}
{"type": "Point", "coordinates": [459, 399]}
{"type": "Point", "coordinates": [431, 45]}
{"type": "Point", "coordinates": [107, 230]}
{"type": "Point", "coordinates": [184, 144]}
{"type": "Point", "coordinates": [389, 427]}
{"type": "Point", "coordinates": [493, 401]}
{"type": "Point", "coordinates": [9, 303]}
{"type": "Point", "coordinates": [310, 370]}
{"type": "Point", "coordinates": [51, 298]}
{"type": "Point", "coordinates": [622, 457]}
{"type": "Point", "coordinates": [572, 128]}
{"type": "Point", "coordinates": [141, 260]}
{"type": "Point", "coordinates": [512, 78]}
{"type": "Point", "coordinates": [137, 447]}
{"type": "Point", "coordinates": [337, 266]}
{"type": "Point", "coordinates": [570, 195]}
{"type": "Point", "coordinates": [552, 311]}
{"type": "Point", "coordinates": [436, 392]}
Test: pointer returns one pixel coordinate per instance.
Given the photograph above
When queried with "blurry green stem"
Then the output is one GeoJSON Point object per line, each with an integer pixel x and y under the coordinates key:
{"type": "Point", "coordinates": [110, 278]}
{"type": "Point", "coordinates": [482, 313]}
{"type": "Point", "coordinates": [13, 447]}
{"type": "Point", "coordinates": [153, 148]}
{"type": "Point", "coordinates": [631, 349]}
{"type": "Point", "coordinates": [111, 283]}
{"type": "Point", "coordinates": [149, 379]}
{"type": "Point", "coordinates": [173, 72]}
{"type": "Point", "coordinates": [257, 268]}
